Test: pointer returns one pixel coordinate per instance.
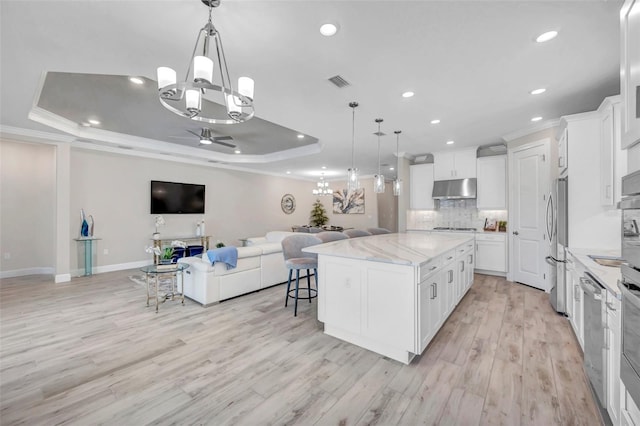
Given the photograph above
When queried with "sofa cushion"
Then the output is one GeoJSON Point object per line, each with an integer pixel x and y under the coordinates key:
{"type": "Point", "coordinates": [271, 248]}
{"type": "Point", "coordinates": [277, 236]}
{"type": "Point", "coordinates": [253, 241]}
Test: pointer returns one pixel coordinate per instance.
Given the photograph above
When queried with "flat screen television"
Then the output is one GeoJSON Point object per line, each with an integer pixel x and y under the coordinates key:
{"type": "Point", "coordinates": [176, 198]}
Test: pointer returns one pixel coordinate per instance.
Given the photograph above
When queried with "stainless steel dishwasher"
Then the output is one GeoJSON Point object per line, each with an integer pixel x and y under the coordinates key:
{"type": "Point", "coordinates": [594, 336]}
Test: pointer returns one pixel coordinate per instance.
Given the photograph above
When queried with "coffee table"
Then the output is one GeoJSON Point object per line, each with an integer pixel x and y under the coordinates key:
{"type": "Point", "coordinates": [155, 271]}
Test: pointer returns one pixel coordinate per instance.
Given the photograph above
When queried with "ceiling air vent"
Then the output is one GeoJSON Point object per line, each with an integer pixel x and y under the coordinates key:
{"type": "Point", "coordinates": [339, 81]}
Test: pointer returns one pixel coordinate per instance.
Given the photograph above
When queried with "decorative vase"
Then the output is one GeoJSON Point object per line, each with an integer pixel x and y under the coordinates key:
{"type": "Point", "coordinates": [84, 226]}
{"type": "Point", "coordinates": [198, 233]}
{"type": "Point", "coordinates": [91, 225]}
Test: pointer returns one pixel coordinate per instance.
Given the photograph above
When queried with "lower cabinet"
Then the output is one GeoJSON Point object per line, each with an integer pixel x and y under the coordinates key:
{"type": "Point", "coordinates": [614, 351]}
{"type": "Point", "coordinates": [432, 300]}
{"type": "Point", "coordinates": [576, 301]}
{"type": "Point", "coordinates": [491, 253]}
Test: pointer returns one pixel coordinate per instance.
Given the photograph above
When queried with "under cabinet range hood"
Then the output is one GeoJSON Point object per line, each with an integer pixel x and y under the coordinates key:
{"type": "Point", "coordinates": [454, 189]}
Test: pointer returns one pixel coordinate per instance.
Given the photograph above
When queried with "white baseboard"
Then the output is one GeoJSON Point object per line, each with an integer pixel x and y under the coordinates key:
{"type": "Point", "coordinates": [26, 271]}
{"type": "Point", "coordinates": [62, 278]}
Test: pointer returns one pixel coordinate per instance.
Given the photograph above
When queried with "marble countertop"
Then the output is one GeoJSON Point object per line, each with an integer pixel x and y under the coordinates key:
{"type": "Point", "coordinates": [402, 249]}
{"type": "Point", "coordinates": [607, 275]}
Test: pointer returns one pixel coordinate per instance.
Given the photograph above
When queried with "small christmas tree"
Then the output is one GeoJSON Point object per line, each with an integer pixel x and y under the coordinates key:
{"type": "Point", "coordinates": [318, 214]}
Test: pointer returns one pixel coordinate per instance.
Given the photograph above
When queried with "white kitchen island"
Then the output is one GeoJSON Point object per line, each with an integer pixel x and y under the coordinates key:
{"type": "Point", "coordinates": [392, 293]}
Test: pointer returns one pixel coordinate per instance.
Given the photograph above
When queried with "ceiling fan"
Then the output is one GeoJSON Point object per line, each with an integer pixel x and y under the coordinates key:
{"type": "Point", "coordinates": [206, 138]}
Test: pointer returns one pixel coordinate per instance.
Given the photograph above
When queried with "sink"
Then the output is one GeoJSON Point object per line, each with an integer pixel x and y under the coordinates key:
{"type": "Point", "coordinates": [611, 261]}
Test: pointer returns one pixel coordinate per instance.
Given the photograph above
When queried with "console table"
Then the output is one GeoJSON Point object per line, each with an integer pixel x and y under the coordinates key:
{"type": "Point", "coordinates": [203, 240]}
{"type": "Point", "coordinates": [88, 253]}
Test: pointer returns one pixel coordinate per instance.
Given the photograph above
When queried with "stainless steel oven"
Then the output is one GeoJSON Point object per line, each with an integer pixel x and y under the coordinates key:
{"type": "Point", "coordinates": [630, 285]}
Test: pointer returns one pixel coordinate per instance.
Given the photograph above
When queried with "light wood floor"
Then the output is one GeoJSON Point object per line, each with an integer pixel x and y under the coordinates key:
{"type": "Point", "coordinates": [90, 352]}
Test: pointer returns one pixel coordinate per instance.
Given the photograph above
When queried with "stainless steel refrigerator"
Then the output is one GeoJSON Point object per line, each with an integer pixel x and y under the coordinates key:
{"type": "Point", "coordinates": [557, 235]}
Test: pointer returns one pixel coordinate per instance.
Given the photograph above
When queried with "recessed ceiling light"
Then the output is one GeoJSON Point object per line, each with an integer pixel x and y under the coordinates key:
{"type": "Point", "coordinates": [300, 136]}
{"type": "Point", "coordinates": [85, 124]}
{"type": "Point", "coordinates": [324, 167]}
{"type": "Point", "coordinates": [237, 151]}
{"type": "Point", "coordinates": [538, 91]}
{"type": "Point", "coordinates": [136, 80]}
{"type": "Point", "coordinates": [288, 172]}
{"type": "Point", "coordinates": [391, 168]}
{"type": "Point", "coordinates": [407, 94]}
{"type": "Point", "coordinates": [436, 121]}
{"type": "Point", "coordinates": [549, 35]}
{"type": "Point", "coordinates": [328, 30]}
{"type": "Point", "coordinates": [94, 122]}
{"type": "Point", "coordinates": [450, 142]}
{"type": "Point", "coordinates": [536, 119]}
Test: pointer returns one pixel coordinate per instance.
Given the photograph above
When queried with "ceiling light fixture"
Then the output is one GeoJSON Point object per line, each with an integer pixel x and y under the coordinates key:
{"type": "Point", "coordinates": [378, 180]}
{"type": "Point", "coordinates": [328, 30]}
{"type": "Point", "coordinates": [407, 94]}
{"type": "Point", "coordinates": [352, 174]}
{"type": "Point", "coordinates": [549, 35]}
{"type": "Point", "coordinates": [94, 122]}
{"type": "Point", "coordinates": [322, 189]}
{"type": "Point", "coordinates": [536, 119]}
{"type": "Point", "coordinates": [185, 98]}
{"type": "Point", "coordinates": [450, 142]}
{"type": "Point", "coordinates": [288, 172]}
{"type": "Point", "coordinates": [436, 121]}
{"type": "Point", "coordinates": [136, 80]}
{"type": "Point", "coordinates": [237, 151]}
{"type": "Point", "coordinates": [300, 136]}
{"type": "Point", "coordinates": [538, 91]}
{"type": "Point", "coordinates": [397, 182]}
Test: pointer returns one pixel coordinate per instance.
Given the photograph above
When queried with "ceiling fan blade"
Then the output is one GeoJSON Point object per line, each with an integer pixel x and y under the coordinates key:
{"type": "Point", "coordinates": [227, 144]}
{"type": "Point", "coordinates": [193, 133]}
{"type": "Point", "coordinates": [222, 138]}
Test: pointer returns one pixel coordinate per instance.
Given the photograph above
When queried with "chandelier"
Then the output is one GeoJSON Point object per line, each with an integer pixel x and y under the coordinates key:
{"type": "Point", "coordinates": [352, 174]}
{"type": "Point", "coordinates": [397, 182]}
{"type": "Point", "coordinates": [185, 97]}
{"type": "Point", "coordinates": [322, 189]}
{"type": "Point", "coordinates": [378, 180]}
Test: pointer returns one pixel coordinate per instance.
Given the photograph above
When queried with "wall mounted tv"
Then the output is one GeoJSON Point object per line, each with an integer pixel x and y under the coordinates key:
{"type": "Point", "coordinates": [176, 198]}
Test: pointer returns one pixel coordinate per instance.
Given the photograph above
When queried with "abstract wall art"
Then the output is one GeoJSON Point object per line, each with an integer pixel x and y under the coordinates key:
{"type": "Point", "coordinates": [348, 202]}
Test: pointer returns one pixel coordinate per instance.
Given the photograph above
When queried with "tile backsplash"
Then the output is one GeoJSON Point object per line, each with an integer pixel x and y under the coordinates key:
{"type": "Point", "coordinates": [453, 213]}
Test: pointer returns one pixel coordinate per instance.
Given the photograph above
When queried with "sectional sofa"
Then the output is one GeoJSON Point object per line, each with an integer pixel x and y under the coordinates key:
{"type": "Point", "coordinates": [260, 265]}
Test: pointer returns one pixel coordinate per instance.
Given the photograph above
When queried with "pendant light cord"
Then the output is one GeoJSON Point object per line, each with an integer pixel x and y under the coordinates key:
{"type": "Point", "coordinates": [378, 148]}
{"type": "Point", "coordinates": [353, 135]}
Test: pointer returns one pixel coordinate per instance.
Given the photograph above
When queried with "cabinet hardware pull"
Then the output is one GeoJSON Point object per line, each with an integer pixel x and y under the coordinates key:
{"type": "Point", "coordinates": [450, 271]}
{"type": "Point", "coordinates": [610, 306]}
{"type": "Point", "coordinates": [461, 266]}
{"type": "Point", "coordinates": [432, 268]}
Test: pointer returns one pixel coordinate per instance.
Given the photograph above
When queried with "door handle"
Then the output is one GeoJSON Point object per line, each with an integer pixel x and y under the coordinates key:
{"type": "Point", "coordinates": [515, 233]}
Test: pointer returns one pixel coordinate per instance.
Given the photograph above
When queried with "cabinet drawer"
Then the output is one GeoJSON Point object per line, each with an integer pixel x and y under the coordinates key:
{"type": "Point", "coordinates": [448, 256]}
{"type": "Point", "coordinates": [430, 267]}
{"type": "Point", "coordinates": [490, 237]}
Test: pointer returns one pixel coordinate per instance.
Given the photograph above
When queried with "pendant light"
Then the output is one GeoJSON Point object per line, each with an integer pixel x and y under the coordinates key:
{"type": "Point", "coordinates": [352, 174]}
{"type": "Point", "coordinates": [378, 180]}
{"type": "Point", "coordinates": [397, 183]}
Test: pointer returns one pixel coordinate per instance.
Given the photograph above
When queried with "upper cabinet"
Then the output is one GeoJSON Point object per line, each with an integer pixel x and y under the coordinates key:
{"type": "Point", "coordinates": [563, 160]}
{"type": "Point", "coordinates": [613, 159]}
{"type": "Point", "coordinates": [630, 71]}
{"type": "Point", "coordinates": [421, 187]}
{"type": "Point", "coordinates": [492, 183]}
{"type": "Point", "coordinates": [459, 164]}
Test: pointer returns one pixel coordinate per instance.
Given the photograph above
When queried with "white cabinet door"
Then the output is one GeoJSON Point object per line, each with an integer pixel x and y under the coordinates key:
{"type": "Point", "coordinates": [630, 71]}
{"type": "Point", "coordinates": [465, 163]}
{"type": "Point", "coordinates": [430, 296]}
{"type": "Point", "coordinates": [444, 165]}
{"type": "Point", "coordinates": [606, 156]}
{"type": "Point", "coordinates": [492, 183]}
{"type": "Point", "coordinates": [577, 297]}
{"type": "Point", "coordinates": [421, 186]}
{"type": "Point", "coordinates": [563, 153]}
{"type": "Point", "coordinates": [449, 283]}
{"type": "Point", "coordinates": [454, 164]}
{"type": "Point", "coordinates": [613, 358]}
{"type": "Point", "coordinates": [491, 252]}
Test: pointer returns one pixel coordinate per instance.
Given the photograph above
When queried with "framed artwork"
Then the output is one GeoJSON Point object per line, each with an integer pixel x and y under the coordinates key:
{"type": "Point", "coordinates": [348, 202]}
{"type": "Point", "coordinates": [490, 224]}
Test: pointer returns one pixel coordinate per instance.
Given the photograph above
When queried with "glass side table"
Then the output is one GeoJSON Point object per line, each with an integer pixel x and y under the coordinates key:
{"type": "Point", "coordinates": [172, 270]}
{"type": "Point", "coordinates": [88, 253]}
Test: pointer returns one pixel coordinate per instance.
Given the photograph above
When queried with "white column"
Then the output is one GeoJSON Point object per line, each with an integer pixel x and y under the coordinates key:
{"type": "Point", "coordinates": [62, 213]}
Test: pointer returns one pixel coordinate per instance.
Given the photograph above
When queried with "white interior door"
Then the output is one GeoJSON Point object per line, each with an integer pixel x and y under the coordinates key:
{"type": "Point", "coordinates": [529, 175]}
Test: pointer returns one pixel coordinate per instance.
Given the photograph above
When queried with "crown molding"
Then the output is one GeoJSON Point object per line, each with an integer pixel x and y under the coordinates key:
{"type": "Point", "coordinates": [544, 125]}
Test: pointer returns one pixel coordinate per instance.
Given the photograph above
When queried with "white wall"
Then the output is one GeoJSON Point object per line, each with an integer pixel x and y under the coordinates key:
{"type": "Point", "coordinates": [27, 196]}
{"type": "Point", "coordinates": [115, 188]}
